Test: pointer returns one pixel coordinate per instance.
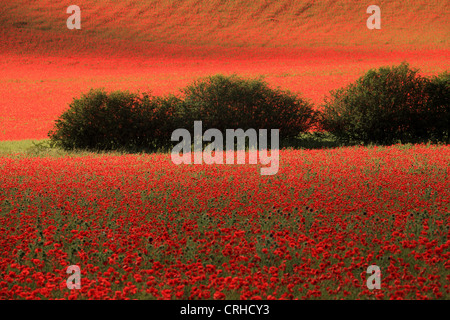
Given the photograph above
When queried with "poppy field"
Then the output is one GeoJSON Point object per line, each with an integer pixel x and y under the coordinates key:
{"type": "Point", "coordinates": [140, 227]}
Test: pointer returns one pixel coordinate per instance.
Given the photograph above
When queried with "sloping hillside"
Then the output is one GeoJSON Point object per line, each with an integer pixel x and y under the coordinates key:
{"type": "Point", "coordinates": [309, 47]}
{"type": "Point", "coordinates": [40, 25]}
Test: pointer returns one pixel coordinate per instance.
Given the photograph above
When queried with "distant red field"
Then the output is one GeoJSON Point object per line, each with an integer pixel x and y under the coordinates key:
{"type": "Point", "coordinates": [36, 90]}
{"type": "Point", "coordinates": [155, 46]}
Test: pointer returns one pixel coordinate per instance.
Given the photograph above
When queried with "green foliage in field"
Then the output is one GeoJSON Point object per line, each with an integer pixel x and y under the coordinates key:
{"type": "Point", "coordinates": [128, 121]}
{"type": "Point", "coordinates": [232, 102]}
{"type": "Point", "coordinates": [115, 121]}
{"type": "Point", "coordinates": [389, 105]}
{"type": "Point", "coordinates": [438, 115]}
{"type": "Point", "coordinates": [385, 106]}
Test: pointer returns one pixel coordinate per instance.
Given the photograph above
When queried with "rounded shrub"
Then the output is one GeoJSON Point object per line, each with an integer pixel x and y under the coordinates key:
{"type": "Point", "coordinates": [118, 120]}
{"type": "Point", "coordinates": [230, 102]}
{"type": "Point", "coordinates": [383, 106]}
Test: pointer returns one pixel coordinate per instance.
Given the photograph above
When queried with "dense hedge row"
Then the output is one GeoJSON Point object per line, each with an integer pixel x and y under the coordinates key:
{"type": "Point", "coordinates": [388, 105]}
{"type": "Point", "coordinates": [122, 120]}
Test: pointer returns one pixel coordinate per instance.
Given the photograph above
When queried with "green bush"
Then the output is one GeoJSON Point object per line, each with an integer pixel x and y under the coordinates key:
{"type": "Point", "coordinates": [118, 120]}
{"type": "Point", "coordinates": [437, 114]}
{"type": "Point", "coordinates": [128, 121]}
{"type": "Point", "coordinates": [230, 102]}
{"type": "Point", "coordinates": [383, 106]}
{"type": "Point", "coordinates": [159, 117]}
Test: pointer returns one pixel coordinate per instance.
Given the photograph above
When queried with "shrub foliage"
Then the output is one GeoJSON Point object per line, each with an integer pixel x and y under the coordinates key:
{"type": "Point", "coordinates": [230, 102]}
{"type": "Point", "coordinates": [123, 120]}
{"type": "Point", "coordinates": [437, 115]}
{"type": "Point", "coordinates": [387, 105]}
{"type": "Point", "coordinates": [117, 120]}
{"type": "Point", "coordinates": [383, 106]}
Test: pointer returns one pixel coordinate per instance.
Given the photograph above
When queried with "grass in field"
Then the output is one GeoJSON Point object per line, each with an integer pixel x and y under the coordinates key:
{"type": "Point", "coordinates": [43, 148]}
{"type": "Point", "coordinates": [15, 146]}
